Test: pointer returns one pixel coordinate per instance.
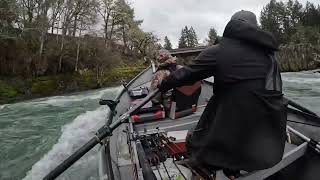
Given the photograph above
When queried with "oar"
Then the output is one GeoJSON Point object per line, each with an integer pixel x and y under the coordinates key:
{"type": "Point", "coordinates": [300, 107]}
{"type": "Point", "coordinates": [312, 143]}
{"type": "Point", "coordinates": [102, 133]}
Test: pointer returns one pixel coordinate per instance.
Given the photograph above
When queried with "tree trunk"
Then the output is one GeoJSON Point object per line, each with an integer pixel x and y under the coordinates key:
{"type": "Point", "coordinates": [98, 76]}
{"type": "Point", "coordinates": [74, 26]}
{"type": "Point", "coordinates": [106, 28]}
{"type": "Point", "coordinates": [52, 26]}
{"type": "Point", "coordinates": [42, 38]}
{"type": "Point", "coordinates": [77, 59]}
{"type": "Point", "coordinates": [111, 30]}
{"type": "Point", "coordinates": [61, 53]}
{"type": "Point", "coordinates": [78, 51]}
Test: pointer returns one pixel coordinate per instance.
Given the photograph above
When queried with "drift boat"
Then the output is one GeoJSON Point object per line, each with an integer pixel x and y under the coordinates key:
{"type": "Point", "coordinates": [150, 144]}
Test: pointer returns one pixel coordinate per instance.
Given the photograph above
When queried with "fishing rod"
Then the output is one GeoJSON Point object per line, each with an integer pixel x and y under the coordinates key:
{"type": "Point", "coordinates": [103, 132]}
{"type": "Point", "coordinates": [156, 149]}
{"type": "Point", "coordinates": [147, 171]}
{"type": "Point", "coordinates": [205, 174]}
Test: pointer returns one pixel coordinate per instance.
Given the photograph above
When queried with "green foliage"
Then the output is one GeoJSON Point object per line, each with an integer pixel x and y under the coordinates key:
{"type": "Point", "coordinates": [167, 43]}
{"type": "Point", "coordinates": [28, 50]}
{"type": "Point", "coordinates": [44, 85]}
{"type": "Point", "coordinates": [7, 90]}
{"type": "Point", "coordinates": [183, 38]}
{"type": "Point", "coordinates": [7, 17]}
{"type": "Point", "coordinates": [188, 38]}
{"type": "Point", "coordinates": [285, 19]}
{"type": "Point", "coordinates": [272, 19]}
{"type": "Point", "coordinates": [311, 15]}
{"type": "Point", "coordinates": [192, 39]}
{"type": "Point", "coordinates": [87, 79]}
{"type": "Point", "coordinates": [212, 36]}
{"type": "Point", "coordinates": [125, 72]}
{"type": "Point", "coordinates": [306, 35]}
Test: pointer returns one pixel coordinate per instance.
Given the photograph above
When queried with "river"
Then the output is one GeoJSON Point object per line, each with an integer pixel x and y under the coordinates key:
{"type": "Point", "coordinates": [36, 135]}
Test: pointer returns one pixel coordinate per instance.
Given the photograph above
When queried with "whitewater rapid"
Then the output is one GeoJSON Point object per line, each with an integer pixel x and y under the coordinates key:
{"type": "Point", "coordinates": [37, 135]}
{"type": "Point", "coordinates": [56, 127]}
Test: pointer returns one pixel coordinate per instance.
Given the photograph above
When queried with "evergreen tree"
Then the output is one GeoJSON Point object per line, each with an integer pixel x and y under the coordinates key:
{"type": "Point", "coordinates": [271, 19]}
{"type": "Point", "coordinates": [311, 16]}
{"type": "Point", "coordinates": [167, 43]}
{"type": "Point", "coordinates": [292, 18]}
{"type": "Point", "coordinates": [290, 21]}
{"type": "Point", "coordinates": [192, 40]}
{"type": "Point", "coordinates": [183, 38]}
{"type": "Point", "coordinates": [212, 36]}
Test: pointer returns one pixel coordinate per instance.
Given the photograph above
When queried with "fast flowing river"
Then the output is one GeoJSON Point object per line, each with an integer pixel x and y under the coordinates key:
{"type": "Point", "coordinates": [36, 135]}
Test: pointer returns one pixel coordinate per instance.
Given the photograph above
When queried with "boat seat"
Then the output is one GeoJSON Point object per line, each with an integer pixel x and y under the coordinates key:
{"type": "Point", "coordinates": [147, 113]}
{"type": "Point", "coordinates": [184, 100]}
{"type": "Point", "coordinates": [291, 154]}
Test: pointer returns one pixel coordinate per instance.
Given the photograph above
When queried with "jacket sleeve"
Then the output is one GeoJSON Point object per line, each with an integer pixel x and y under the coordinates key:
{"type": "Point", "coordinates": [202, 67]}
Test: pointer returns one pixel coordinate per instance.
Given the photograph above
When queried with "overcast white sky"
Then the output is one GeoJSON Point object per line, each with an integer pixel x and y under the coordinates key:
{"type": "Point", "coordinates": [168, 17]}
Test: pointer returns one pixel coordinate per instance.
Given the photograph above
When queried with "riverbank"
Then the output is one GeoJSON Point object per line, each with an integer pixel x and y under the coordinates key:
{"type": "Point", "coordinates": [15, 89]}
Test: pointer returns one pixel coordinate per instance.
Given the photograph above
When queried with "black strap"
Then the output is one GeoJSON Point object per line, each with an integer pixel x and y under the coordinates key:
{"type": "Point", "coordinates": [273, 78]}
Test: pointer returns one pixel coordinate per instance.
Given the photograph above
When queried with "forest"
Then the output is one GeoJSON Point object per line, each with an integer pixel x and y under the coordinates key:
{"type": "Point", "coordinates": [52, 47]}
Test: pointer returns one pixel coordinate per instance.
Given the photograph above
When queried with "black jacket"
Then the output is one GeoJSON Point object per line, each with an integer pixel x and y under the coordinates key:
{"type": "Point", "coordinates": [243, 125]}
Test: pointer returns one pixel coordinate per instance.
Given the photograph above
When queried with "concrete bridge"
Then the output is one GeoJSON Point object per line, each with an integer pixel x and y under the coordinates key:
{"type": "Point", "coordinates": [186, 55]}
{"type": "Point", "coordinates": [183, 52]}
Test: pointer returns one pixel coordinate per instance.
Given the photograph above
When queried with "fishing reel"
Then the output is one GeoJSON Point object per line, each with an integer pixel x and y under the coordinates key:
{"type": "Point", "coordinates": [158, 148]}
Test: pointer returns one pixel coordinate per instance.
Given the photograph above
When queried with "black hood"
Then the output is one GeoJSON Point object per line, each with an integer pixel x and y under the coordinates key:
{"type": "Point", "coordinates": [237, 29]}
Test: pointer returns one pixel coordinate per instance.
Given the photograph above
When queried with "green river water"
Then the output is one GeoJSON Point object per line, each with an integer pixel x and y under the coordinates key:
{"type": "Point", "coordinates": [36, 135]}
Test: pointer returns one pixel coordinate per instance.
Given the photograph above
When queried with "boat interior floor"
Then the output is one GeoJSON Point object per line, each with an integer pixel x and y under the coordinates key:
{"type": "Point", "coordinates": [291, 153]}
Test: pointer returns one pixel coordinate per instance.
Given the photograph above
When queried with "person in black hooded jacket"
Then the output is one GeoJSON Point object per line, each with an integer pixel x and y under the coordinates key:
{"type": "Point", "coordinates": [243, 125]}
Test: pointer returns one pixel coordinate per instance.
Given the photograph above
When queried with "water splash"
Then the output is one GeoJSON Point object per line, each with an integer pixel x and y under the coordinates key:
{"type": "Point", "coordinates": [74, 135]}
{"type": "Point", "coordinates": [66, 101]}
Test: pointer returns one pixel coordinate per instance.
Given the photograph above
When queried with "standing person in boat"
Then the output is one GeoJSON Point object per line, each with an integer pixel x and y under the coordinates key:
{"type": "Point", "coordinates": [243, 125]}
{"type": "Point", "coordinates": [165, 65]}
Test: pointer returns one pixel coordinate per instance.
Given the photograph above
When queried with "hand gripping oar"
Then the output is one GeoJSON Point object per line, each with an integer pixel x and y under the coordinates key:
{"type": "Point", "coordinates": [102, 133]}
{"type": "Point", "coordinates": [312, 143]}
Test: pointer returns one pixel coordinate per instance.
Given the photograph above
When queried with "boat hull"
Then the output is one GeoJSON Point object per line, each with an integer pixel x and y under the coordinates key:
{"type": "Point", "coordinates": [121, 155]}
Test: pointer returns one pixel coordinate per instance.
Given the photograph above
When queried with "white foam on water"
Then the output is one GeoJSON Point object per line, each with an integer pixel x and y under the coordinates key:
{"type": "Point", "coordinates": [74, 135]}
{"type": "Point", "coordinates": [3, 106]}
{"type": "Point", "coordinates": [304, 77]}
{"type": "Point", "coordinates": [65, 101]}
